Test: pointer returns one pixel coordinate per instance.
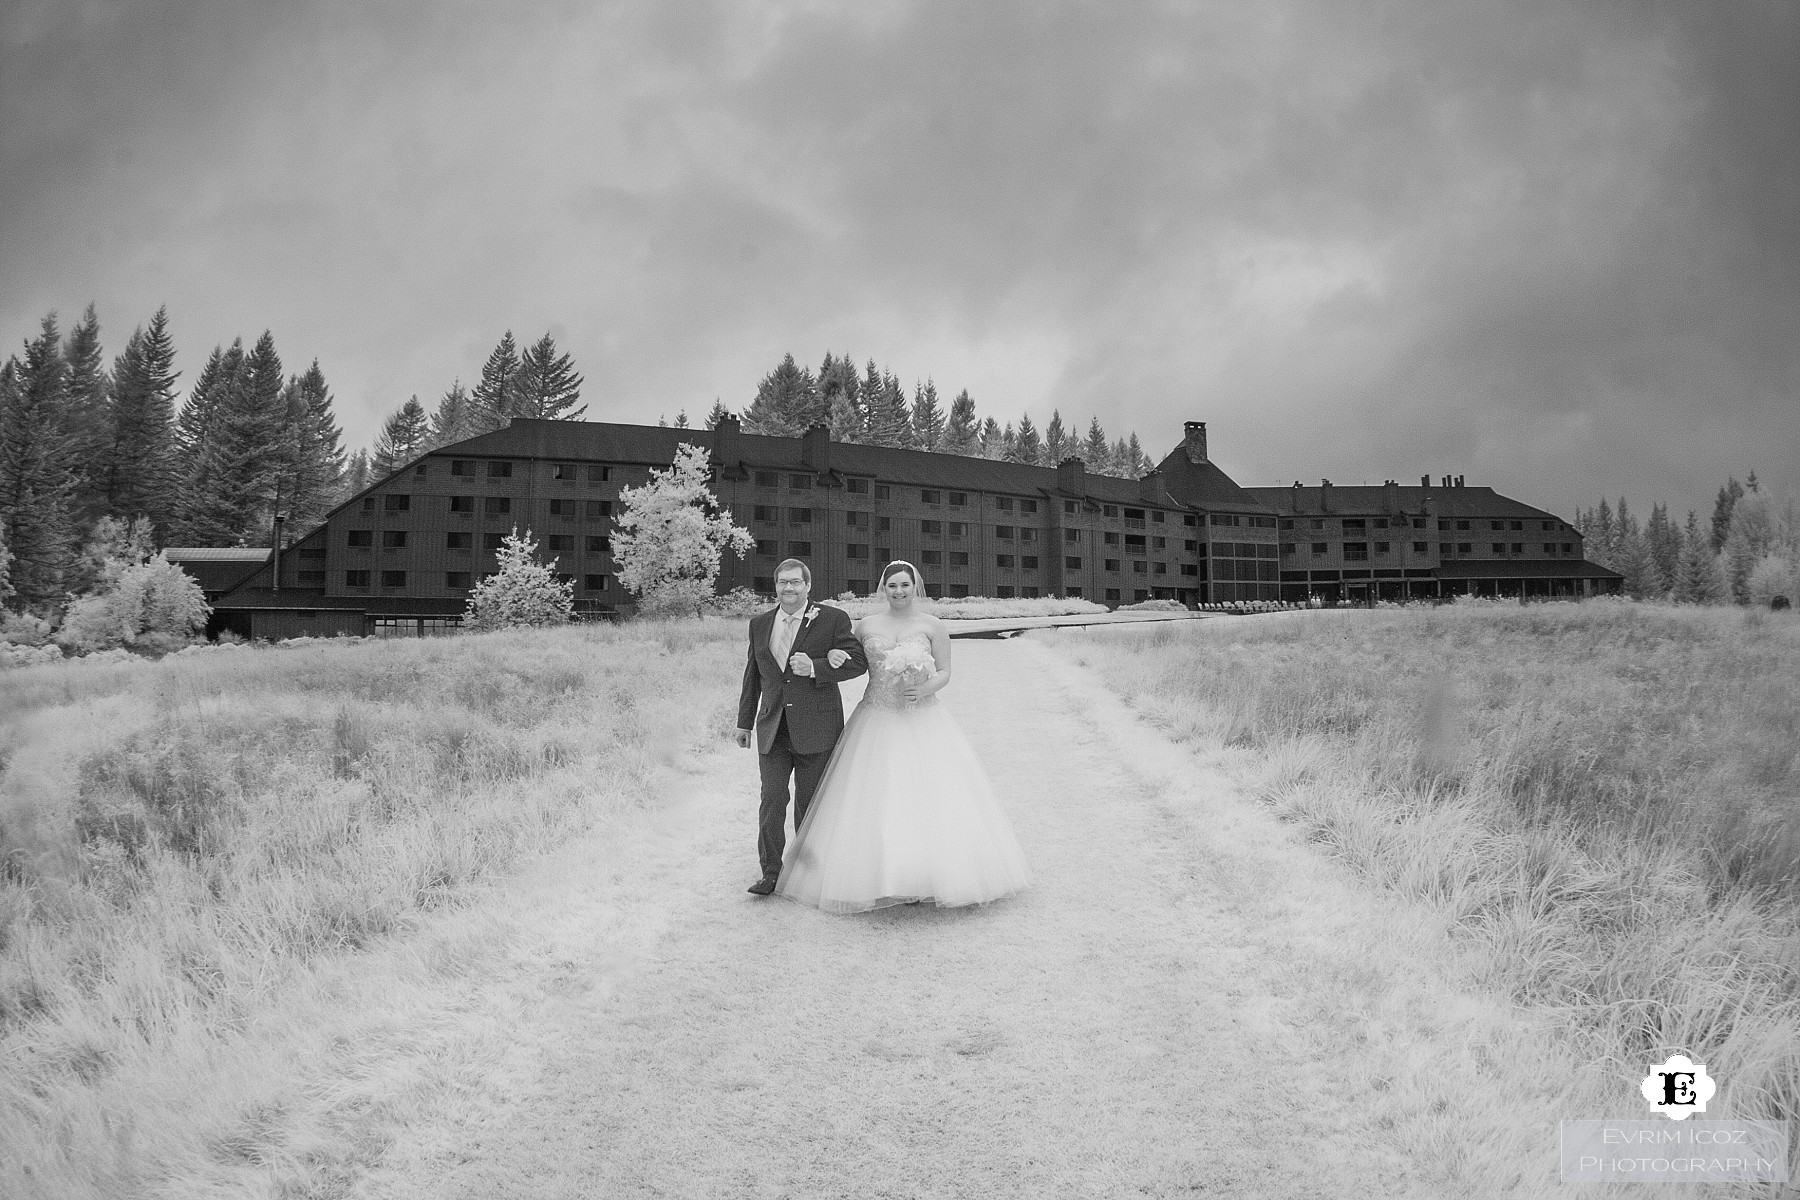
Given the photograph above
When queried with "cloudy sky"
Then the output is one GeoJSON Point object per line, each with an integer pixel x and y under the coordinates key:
{"type": "Point", "coordinates": [1553, 247]}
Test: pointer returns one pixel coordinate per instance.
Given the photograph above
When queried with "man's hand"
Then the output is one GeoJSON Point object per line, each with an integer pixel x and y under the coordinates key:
{"type": "Point", "coordinates": [837, 658]}
{"type": "Point", "coordinates": [743, 739]}
{"type": "Point", "coordinates": [801, 665]}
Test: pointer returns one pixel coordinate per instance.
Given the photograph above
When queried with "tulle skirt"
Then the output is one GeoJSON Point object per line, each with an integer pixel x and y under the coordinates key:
{"type": "Point", "coordinates": [904, 812]}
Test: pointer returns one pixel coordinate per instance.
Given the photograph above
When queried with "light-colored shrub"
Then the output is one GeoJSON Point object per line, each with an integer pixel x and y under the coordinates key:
{"type": "Point", "coordinates": [1772, 576]}
{"type": "Point", "coordinates": [149, 597]}
{"type": "Point", "coordinates": [523, 592]}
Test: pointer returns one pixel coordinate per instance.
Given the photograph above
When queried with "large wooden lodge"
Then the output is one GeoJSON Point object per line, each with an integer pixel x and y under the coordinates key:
{"type": "Point", "coordinates": [401, 557]}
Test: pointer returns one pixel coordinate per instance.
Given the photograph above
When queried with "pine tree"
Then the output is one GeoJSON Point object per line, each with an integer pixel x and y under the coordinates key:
{"type": "Point", "coordinates": [1056, 440]}
{"type": "Point", "coordinates": [1698, 577]}
{"type": "Point", "coordinates": [1026, 447]}
{"type": "Point", "coordinates": [401, 440]}
{"type": "Point", "coordinates": [547, 386]}
{"type": "Point", "coordinates": [927, 417]}
{"type": "Point", "coordinates": [491, 403]}
{"type": "Point", "coordinates": [1750, 538]}
{"type": "Point", "coordinates": [993, 439]}
{"type": "Point", "coordinates": [453, 420]}
{"type": "Point", "coordinates": [889, 418]}
{"type": "Point", "coordinates": [962, 434]}
{"type": "Point", "coordinates": [671, 536]}
{"type": "Point", "coordinates": [719, 412]}
{"type": "Point", "coordinates": [36, 485]}
{"type": "Point", "coordinates": [356, 476]}
{"type": "Point", "coordinates": [85, 418]}
{"type": "Point", "coordinates": [681, 419]}
{"type": "Point", "coordinates": [840, 398]}
{"type": "Point", "coordinates": [1137, 462]}
{"type": "Point", "coordinates": [786, 401]}
{"type": "Point", "coordinates": [259, 448]}
{"type": "Point", "coordinates": [316, 479]}
{"type": "Point", "coordinates": [1634, 559]}
{"type": "Point", "coordinates": [139, 460]}
{"type": "Point", "coordinates": [522, 592]}
{"type": "Point", "coordinates": [1095, 451]}
{"type": "Point", "coordinates": [1663, 537]}
{"type": "Point", "coordinates": [1721, 518]}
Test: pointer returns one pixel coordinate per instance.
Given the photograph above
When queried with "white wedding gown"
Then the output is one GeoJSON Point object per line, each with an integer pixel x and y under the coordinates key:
{"type": "Point", "coordinates": [904, 811]}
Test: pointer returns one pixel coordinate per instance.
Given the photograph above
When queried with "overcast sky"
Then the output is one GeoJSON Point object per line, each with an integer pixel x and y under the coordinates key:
{"type": "Point", "coordinates": [1548, 246]}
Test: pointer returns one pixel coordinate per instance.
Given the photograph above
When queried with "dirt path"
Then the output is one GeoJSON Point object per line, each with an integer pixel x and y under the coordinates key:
{"type": "Point", "coordinates": [1187, 1002]}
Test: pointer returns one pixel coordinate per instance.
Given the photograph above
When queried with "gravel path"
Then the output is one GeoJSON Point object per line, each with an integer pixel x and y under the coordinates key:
{"type": "Point", "coordinates": [1174, 1008]}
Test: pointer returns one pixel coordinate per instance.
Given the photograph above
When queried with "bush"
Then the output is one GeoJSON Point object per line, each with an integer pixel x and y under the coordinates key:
{"type": "Point", "coordinates": [23, 629]}
{"type": "Point", "coordinates": [15, 655]}
{"type": "Point", "coordinates": [739, 602]}
{"type": "Point", "coordinates": [151, 597]}
{"type": "Point", "coordinates": [522, 592]}
{"type": "Point", "coordinates": [1772, 576]}
{"type": "Point", "coordinates": [1153, 606]}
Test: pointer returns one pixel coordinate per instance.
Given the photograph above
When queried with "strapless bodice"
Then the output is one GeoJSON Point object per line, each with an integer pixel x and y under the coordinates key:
{"type": "Point", "coordinates": [889, 672]}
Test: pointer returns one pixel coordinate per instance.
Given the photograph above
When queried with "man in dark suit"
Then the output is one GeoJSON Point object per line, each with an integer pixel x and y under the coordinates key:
{"type": "Point", "coordinates": [791, 703]}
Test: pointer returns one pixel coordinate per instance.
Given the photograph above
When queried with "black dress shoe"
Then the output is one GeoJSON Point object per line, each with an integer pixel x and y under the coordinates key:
{"type": "Point", "coordinates": [763, 887]}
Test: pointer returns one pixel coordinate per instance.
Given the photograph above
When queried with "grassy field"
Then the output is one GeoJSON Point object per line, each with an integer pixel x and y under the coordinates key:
{"type": "Point", "coordinates": [186, 845]}
{"type": "Point", "coordinates": [1604, 797]}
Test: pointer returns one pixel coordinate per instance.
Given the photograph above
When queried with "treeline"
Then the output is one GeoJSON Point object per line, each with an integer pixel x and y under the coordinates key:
{"type": "Point", "coordinates": [872, 408]}
{"type": "Point", "coordinates": [1748, 553]}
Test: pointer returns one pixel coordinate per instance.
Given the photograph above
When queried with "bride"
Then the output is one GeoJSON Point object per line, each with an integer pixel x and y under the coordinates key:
{"type": "Point", "coordinates": [904, 812]}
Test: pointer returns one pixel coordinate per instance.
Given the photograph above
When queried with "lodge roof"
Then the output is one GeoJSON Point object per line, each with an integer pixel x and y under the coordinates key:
{"type": "Point", "coordinates": [1372, 500]}
{"type": "Point", "coordinates": [217, 568]}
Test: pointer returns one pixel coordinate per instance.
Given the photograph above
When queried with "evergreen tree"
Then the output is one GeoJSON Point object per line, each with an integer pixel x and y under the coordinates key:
{"type": "Point", "coordinates": [401, 440]}
{"type": "Point", "coordinates": [1750, 538]}
{"type": "Point", "coordinates": [786, 401]}
{"type": "Point", "coordinates": [1027, 447]}
{"type": "Point", "coordinates": [1121, 459]}
{"type": "Point", "coordinates": [546, 385]}
{"type": "Point", "coordinates": [523, 592]}
{"type": "Point", "coordinates": [85, 418]}
{"type": "Point", "coordinates": [1663, 538]}
{"type": "Point", "coordinates": [671, 536]}
{"type": "Point", "coordinates": [315, 482]}
{"type": "Point", "coordinates": [681, 419]}
{"type": "Point", "coordinates": [356, 476]}
{"type": "Point", "coordinates": [139, 461]}
{"type": "Point", "coordinates": [719, 412]}
{"type": "Point", "coordinates": [993, 439]}
{"type": "Point", "coordinates": [1635, 562]}
{"type": "Point", "coordinates": [1009, 444]}
{"type": "Point", "coordinates": [1721, 518]}
{"type": "Point", "coordinates": [1599, 534]}
{"type": "Point", "coordinates": [1137, 462]}
{"type": "Point", "coordinates": [840, 398]}
{"type": "Point", "coordinates": [491, 403]}
{"type": "Point", "coordinates": [889, 419]}
{"type": "Point", "coordinates": [257, 448]}
{"type": "Point", "coordinates": [1057, 445]}
{"type": "Point", "coordinates": [927, 417]}
{"type": "Point", "coordinates": [1095, 451]}
{"type": "Point", "coordinates": [36, 485]}
{"type": "Point", "coordinates": [962, 434]}
{"type": "Point", "coordinates": [454, 419]}
{"type": "Point", "coordinates": [1699, 579]}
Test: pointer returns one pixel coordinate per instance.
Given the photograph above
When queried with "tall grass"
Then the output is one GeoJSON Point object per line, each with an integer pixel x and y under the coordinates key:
{"type": "Point", "coordinates": [1605, 797]}
{"type": "Point", "coordinates": [181, 840]}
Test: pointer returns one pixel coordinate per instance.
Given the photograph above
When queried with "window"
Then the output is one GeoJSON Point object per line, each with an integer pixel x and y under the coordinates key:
{"type": "Point", "coordinates": [1134, 543]}
{"type": "Point", "coordinates": [1109, 510]}
{"type": "Point", "coordinates": [959, 529]}
{"type": "Point", "coordinates": [1137, 566]}
{"type": "Point", "coordinates": [497, 504]}
{"type": "Point", "coordinates": [593, 583]}
{"type": "Point", "coordinates": [599, 544]}
{"type": "Point", "coordinates": [1354, 525]}
{"type": "Point", "coordinates": [1156, 518]}
{"type": "Point", "coordinates": [799, 516]}
{"type": "Point", "coordinates": [461, 466]}
{"type": "Point", "coordinates": [311, 552]}
{"type": "Point", "coordinates": [1499, 547]}
{"type": "Point", "coordinates": [959, 558]}
{"type": "Point", "coordinates": [396, 502]}
{"type": "Point", "coordinates": [1157, 543]}
{"type": "Point", "coordinates": [306, 577]}
{"type": "Point", "coordinates": [1223, 519]}
{"type": "Point", "coordinates": [931, 528]}
{"type": "Point", "coordinates": [1075, 593]}
{"type": "Point", "coordinates": [356, 579]}
{"type": "Point", "coordinates": [1518, 548]}
{"type": "Point", "coordinates": [1444, 549]}
{"type": "Point", "coordinates": [456, 580]}
{"type": "Point", "coordinates": [1071, 563]}
{"type": "Point", "coordinates": [1518, 525]}
{"type": "Point", "coordinates": [1421, 548]}
{"type": "Point", "coordinates": [768, 479]}
{"type": "Point", "coordinates": [1071, 535]}
{"type": "Point", "coordinates": [1498, 524]}
{"type": "Point", "coordinates": [491, 541]}
{"type": "Point", "coordinates": [1465, 547]}
{"type": "Point", "coordinates": [763, 512]}
{"type": "Point", "coordinates": [1134, 514]}
{"type": "Point", "coordinates": [1384, 547]}
{"type": "Point", "coordinates": [1549, 524]}
{"type": "Point", "coordinates": [1110, 537]}
{"type": "Point", "coordinates": [563, 471]}
{"type": "Point", "coordinates": [393, 579]}
{"type": "Point", "coordinates": [462, 504]}
{"type": "Point", "coordinates": [1002, 590]}
{"type": "Point", "coordinates": [856, 550]}
{"type": "Point", "coordinates": [1003, 532]}
{"type": "Point", "coordinates": [562, 508]}
{"type": "Point", "coordinates": [361, 537]}
{"type": "Point", "coordinates": [928, 495]}
{"type": "Point", "coordinates": [1068, 508]}
{"type": "Point", "coordinates": [499, 470]}
{"type": "Point", "coordinates": [1003, 560]}
{"type": "Point", "coordinates": [1288, 549]}
{"type": "Point", "coordinates": [856, 520]}
{"type": "Point", "coordinates": [599, 508]}
{"type": "Point", "coordinates": [393, 539]}
{"type": "Point", "coordinates": [799, 549]}
{"type": "Point", "coordinates": [1417, 523]}
{"type": "Point", "coordinates": [599, 474]}
{"type": "Point", "coordinates": [560, 543]}
{"type": "Point", "coordinates": [368, 504]}
{"type": "Point", "coordinates": [1028, 506]}
{"type": "Point", "coordinates": [1381, 522]}
{"type": "Point", "coordinates": [1568, 547]}
{"type": "Point", "coordinates": [881, 491]}
{"type": "Point", "coordinates": [932, 558]}
{"type": "Point", "coordinates": [1112, 596]}
{"type": "Point", "coordinates": [857, 487]}
{"type": "Point", "coordinates": [1028, 562]}
{"type": "Point", "coordinates": [1190, 568]}
{"type": "Point", "coordinates": [799, 483]}
{"type": "Point", "coordinates": [1190, 545]}
{"type": "Point", "coordinates": [959, 498]}
{"type": "Point", "coordinates": [1162, 568]}
{"type": "Point", "coordinates": [1003, 503]}
{"type": "Point", "coordinates": [419, 470]}
{"type": "Point", "coordinates": [884, 524]}
{"type": "Point", "coordinates": [767, 547]}
{"type": "Point", "coordinates": [1112, 564]}
{"type": "Point", "coordinates": [1356, 551]}
{"type": "Point", "coordinates": [1549, 547]}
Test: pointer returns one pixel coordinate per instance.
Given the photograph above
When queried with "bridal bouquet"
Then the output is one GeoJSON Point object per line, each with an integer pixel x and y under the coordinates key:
{"type": "Point", "coordinates": [912, 658]}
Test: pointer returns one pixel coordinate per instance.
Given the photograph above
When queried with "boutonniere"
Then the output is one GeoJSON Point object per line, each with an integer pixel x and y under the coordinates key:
{"type": "Point", "coordinates": [810, 614]}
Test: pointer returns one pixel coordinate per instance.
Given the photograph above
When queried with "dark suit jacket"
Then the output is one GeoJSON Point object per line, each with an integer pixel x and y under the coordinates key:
{"type": "Point", "coordinates": [814, 710]}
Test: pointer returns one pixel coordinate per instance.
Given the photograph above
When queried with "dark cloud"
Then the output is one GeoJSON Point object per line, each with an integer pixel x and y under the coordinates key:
{"type": "Point", "coordinates": [1547, 246]}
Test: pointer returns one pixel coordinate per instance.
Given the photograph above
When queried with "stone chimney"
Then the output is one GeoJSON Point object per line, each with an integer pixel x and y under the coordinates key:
{"type": "Point", "coordinates": [1390, 496]}
{"type": "Point", "coordinates": [1150, 487]}
{"type": "Point", "coordinates": [1459, 479]}
{"type": "Point", "coordinates": [1296, 496]}
{"type": "Point", "coordinates": [815, 446]}
{"type": "Point", "coordinates": [1325, 495]}
{"type": "Point", "coordinates": [1424, 481]}
{"type": "Point", "coordinates": [1071, 476]}
{"type": "Point", "coordinates": [1195, 441]}
{"type": "Point", "coordinates": [728, 451]}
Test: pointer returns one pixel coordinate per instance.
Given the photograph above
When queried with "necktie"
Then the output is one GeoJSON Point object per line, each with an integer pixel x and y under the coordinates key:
{"type": "Point", "coordinates": [788, 624]}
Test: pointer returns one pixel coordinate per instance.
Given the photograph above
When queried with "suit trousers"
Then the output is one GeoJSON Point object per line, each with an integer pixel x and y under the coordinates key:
{"type": "Point", "coordinates": [775, 766]}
